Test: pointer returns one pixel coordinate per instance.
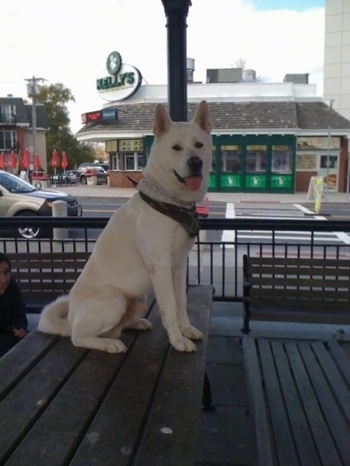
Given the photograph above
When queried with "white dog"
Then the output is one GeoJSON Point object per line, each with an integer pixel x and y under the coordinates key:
{"type": "Point", "coordinates": [145, 244]}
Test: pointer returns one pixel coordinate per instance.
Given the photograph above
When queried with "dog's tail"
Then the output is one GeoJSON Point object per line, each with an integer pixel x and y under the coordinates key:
{"type": "Point", "coordinates": [54, 318]}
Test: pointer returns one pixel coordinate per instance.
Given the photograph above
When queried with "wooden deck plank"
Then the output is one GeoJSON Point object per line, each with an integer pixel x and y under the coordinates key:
{"type": "Point", "coordinates": [320, 431]}
{"type": "Point", "coordinates": [330, 409]}
{"type": "Point", "coordinates": [257, 402]}
{"type": "Point", "coordinates": [279, 420]}
{"type": "Point", "coordinates": [334, 377]}
{"type": "Point", "coordinates": [298, 423]}
{"type": "Point", "coordinates": [306, 379]}
{"type": "Point", "coordinates": [341, 359]}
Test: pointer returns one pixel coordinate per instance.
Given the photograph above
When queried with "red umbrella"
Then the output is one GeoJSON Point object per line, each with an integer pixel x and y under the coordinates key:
{"type": "Point", "coordinates": [55, 161]}
{"type": "Point", "coordinates": [64, 161]}
{"type": "Point", "coordinates": [37, 164]}
{"type": "Point", "coordinates": [13, 161]}
{"type": "Point", "coordinates": [2, 161]}
{"type": "Point", "coordinates": [25, 159]}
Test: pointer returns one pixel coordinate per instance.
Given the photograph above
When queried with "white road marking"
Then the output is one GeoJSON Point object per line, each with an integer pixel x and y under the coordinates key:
{"type": "Point", "coordinates": [229, 236]}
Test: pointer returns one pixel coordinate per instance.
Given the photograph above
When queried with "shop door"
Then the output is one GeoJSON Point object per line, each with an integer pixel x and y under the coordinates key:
{"type": "Point", "coordinates": [281, 169]}
{"type": "Point", "coordinates": [329, 164]}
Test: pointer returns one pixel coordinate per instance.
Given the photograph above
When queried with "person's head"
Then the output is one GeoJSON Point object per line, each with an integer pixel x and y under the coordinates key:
{"type": "Point", "coordinates": [5, 272]}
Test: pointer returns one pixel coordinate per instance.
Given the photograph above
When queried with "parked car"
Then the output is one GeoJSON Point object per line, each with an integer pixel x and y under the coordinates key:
{"type": "Point", "coordinates": [85, 170]}
{"type": "Point", "coordinates": [66, 178]}
{"type": "Point", "coordinates": [18, 197]}
{"type": "Point", "coordinates": [105, 166]}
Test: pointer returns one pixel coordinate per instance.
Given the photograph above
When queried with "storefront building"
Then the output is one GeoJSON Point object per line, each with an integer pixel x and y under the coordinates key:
{"type": "Point", "coordinates": [266, 137]}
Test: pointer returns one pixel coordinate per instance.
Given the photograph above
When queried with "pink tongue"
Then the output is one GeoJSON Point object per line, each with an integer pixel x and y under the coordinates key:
{"type": "Point", "coordinates": [193, 182]}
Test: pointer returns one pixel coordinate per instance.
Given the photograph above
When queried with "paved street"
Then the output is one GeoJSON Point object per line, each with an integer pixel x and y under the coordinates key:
{"type": "Point", "coordinates": [237, 198]}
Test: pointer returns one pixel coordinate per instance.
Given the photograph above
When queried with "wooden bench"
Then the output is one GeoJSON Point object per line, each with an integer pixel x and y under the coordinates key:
{"type": "Point", "coordinates": [295, 290]}
{"type": "Point", "coordinates": [65, 405]}
{"type": "Point", "coordinates": [45, 276]}
{"type": "Point", "coordinates": [299, 394]}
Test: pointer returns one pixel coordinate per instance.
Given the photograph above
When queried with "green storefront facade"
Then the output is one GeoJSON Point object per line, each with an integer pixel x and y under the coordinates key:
{"type": "Point", "coordinates": [253, 163]}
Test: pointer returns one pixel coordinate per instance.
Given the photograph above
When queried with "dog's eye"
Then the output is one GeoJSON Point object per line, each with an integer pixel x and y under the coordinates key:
{"type": "Point", "coordinates": [198, 145]}
{"type": "Point", "coordinates": [177, 147]}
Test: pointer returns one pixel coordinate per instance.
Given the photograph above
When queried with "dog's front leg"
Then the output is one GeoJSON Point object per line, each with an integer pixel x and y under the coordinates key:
{"type": "Point", "coordinates": [162, 280]}
{"type": "Point", "coordinates": [188, 330]}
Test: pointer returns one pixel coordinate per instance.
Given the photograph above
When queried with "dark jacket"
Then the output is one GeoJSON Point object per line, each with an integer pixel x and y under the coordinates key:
{"type": "Point", "coordinates": [12, 309]}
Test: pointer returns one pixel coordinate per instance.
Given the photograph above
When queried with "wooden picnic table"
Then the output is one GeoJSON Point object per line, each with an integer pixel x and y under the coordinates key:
{"type": "Point", "coordinates": [65, 405]}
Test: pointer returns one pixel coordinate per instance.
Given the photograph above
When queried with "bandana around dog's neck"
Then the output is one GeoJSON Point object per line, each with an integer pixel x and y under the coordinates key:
{"type": "Point", "coordinates": [186, 217]}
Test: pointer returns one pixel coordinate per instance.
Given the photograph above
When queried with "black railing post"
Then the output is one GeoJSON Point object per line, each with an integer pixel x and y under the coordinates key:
{"type": "Point", "coordinates": [176, 12]}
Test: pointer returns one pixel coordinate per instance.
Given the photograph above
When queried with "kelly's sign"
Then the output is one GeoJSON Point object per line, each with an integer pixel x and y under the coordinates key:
{"type": "Point", "coordinates": [122, 82]}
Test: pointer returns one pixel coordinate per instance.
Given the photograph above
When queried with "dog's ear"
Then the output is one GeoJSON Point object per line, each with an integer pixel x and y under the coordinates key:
{"type": "Point", "coordinates": [162, 121]}
{"type": "Point", "coordinates": [202, 117]}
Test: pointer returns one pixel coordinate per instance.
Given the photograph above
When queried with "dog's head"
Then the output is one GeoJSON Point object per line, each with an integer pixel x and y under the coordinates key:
{"type": "Point", "coordinates": [181, 154]}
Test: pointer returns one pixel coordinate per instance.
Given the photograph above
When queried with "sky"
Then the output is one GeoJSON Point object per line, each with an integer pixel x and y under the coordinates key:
{"type": "Point", "coordinates": [68, 42]}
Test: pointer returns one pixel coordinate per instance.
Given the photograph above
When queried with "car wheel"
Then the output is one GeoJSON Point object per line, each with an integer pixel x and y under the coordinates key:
{"type": "Point", "coordinates": [28, 232]}
{"type": "Point", "coordinates": [83, 180]}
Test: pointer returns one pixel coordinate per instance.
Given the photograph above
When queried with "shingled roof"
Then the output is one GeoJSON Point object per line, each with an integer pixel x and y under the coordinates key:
{"type": "Point", "coordinates": [318, 115]}
{"type": "Point", "coordinates": [235, 116]}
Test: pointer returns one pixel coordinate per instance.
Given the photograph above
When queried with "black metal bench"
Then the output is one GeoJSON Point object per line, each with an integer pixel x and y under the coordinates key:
{"type": "Point", "coordinates": [299, 395]}
{"type": "Point", "coordinates": [46, 275]}
{"type": "Point", "coordinates": [65, 405]}
{"type": "Point", "coordinates": [295, 290]}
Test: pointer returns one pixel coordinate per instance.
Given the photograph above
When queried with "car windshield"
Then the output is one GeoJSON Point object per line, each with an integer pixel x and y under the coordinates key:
{"type": "Point", "coordinates": [14, 184]}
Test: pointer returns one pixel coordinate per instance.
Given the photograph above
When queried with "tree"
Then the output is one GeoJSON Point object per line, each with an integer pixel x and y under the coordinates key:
{"type": "Point", "coordinates": [55, 98]}
{"type": "Point", "coordinates": [241, 63]}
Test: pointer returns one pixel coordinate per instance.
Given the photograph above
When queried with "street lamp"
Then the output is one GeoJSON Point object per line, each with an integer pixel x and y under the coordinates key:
{"type": "Point", "coordinates": [32, 91]}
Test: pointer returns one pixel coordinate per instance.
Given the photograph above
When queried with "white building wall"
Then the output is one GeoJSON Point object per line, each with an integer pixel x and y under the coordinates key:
{"type": "Point", "coordinates": [337, 55]}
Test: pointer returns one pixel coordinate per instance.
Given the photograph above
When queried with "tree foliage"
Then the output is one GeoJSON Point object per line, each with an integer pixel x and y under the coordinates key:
{"type": "Point", "coordinates": [55, 98]}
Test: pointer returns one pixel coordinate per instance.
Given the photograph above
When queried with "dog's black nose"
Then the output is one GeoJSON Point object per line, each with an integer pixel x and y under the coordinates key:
{"type": "Point", "coordinates": [195, 163]}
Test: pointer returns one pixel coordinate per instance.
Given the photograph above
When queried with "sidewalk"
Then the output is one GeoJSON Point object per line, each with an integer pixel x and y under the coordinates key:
{"type": "Point", "coordinates": [106, 192]}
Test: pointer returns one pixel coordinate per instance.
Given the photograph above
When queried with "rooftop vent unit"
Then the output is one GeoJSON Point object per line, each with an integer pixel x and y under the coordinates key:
{"type": "Point", "coordinates": [190, 69]}
{"type": "Point", "coordinates": [297, 78]}
{"type": "Point", "coordinates": [224, 75]}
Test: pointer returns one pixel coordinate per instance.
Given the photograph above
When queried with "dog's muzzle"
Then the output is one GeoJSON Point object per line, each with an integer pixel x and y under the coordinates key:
{"type": "Point", "coordinates": [194, 180]}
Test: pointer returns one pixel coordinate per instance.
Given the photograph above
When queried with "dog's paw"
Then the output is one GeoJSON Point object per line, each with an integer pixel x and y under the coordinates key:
{"type": "Point", "coordinates": [112, 345]}
{"type": "Point", "coordinates": [192, 333]}
{"type": "Point", "coordinates": [140, 324]}
{"type": "Point", "coordinates": [184, 344]}
{"type": "Point", "coordinates": [116, 346]}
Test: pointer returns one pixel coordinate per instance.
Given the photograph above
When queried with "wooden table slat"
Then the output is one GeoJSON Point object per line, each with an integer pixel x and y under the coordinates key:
{"type": "Point", "coordinates": [30, 397]}
{"type": "Point", "coordinates": [181, 382]}
{"type": "Point", "coordinates": [80, 406]}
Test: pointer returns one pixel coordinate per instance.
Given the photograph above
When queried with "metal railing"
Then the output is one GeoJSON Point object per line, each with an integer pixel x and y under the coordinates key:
{"type": "Point", "coordinates": [211, 260]}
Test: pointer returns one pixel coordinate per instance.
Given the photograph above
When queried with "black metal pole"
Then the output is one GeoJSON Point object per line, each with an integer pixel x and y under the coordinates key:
{"type": "Point", "coordinates": [176, 12]}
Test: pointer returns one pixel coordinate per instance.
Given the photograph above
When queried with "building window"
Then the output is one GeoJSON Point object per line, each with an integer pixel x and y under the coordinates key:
{"type": "Point", "coordinates": [256, 158]}
{"type": "Point", "coordinates": [133, 162]}
{"type": "Point", "coordinates": [116, 162]}
{"type": "Point", "coordinates": [8, 114]}
{"type": "Point", "coordinates": [8, 140]}
{"type": "Point", "coordinates": [231, 159]}
{"type": "Point", "coordinates": [281, 159]}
